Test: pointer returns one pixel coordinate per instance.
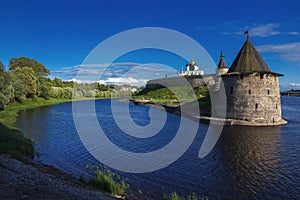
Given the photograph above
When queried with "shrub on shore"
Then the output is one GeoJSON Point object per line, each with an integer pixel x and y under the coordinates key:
{"type": "Point", "coordinates": [175, 196]}
{"type": "Point", "coordinates": [107, 181]}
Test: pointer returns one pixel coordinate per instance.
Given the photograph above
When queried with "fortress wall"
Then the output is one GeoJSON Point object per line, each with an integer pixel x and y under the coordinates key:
{"type": "Point", "coordinates": [253, 99]}
{"type": "Point", "coordinates": [180, 81]}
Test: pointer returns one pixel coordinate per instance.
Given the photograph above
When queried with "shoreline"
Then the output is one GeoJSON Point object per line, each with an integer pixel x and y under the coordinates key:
{"type": "Point", "coordinates": [25, 176]}
{"type": "Point", "coordinates": [23, 180]}
{"type": "Point", "coordinates": [204, 119]}
{"type": "Point", "coordinates": [9, 115]}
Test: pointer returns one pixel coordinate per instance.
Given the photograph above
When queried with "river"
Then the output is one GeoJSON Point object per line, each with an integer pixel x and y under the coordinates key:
{"type": "Point", "coordinates": [246, 163]}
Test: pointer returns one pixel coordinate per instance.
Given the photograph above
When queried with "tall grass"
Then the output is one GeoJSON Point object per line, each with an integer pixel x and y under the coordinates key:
{"type": "Point", "coordinates": [107, 181]}
{"type": "Point", "coordinates": [175, 196]}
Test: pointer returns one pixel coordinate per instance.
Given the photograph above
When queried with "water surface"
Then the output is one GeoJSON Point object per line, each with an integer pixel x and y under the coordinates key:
{"type": "Point", "coordinates": [246, 163]}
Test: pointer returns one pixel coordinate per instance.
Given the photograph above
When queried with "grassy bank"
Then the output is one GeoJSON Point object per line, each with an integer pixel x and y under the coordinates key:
{"type": "Point", "coordinates": [9, 115]}
{"type": "Point", "coordinates": [15, 144]}
{"type": "Point", "coordinates": [12, 142]}
{"type": "Point", "coordinates": [166, 96]}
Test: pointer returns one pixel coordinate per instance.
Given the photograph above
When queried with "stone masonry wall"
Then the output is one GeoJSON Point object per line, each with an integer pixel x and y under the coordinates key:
{"type": "Point", "coordinates": [253, 97]}
{"type": "Point", "coordinates": [180, 81]}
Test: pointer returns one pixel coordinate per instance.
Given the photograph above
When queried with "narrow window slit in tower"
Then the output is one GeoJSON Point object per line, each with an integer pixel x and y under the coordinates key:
{"type": "Point", "coordinates": [249, 91]}
{"type": "Point", "coordinates": [262, 76]}
{"type": "Point", "coordinates": [268, 91]}
{"type": "Point", "coordinates": [256, 106]}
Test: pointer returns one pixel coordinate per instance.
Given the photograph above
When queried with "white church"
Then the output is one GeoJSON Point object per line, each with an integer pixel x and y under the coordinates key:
{"type": "Point", "coordinates": [192, 69]}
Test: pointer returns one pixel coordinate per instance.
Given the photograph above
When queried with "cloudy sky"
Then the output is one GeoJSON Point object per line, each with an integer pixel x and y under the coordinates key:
{"type": "Point", "coordinates": [61, 34]}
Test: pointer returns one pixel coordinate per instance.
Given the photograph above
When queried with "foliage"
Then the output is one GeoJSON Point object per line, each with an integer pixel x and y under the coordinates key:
{"type": "Point", "coordinates": [14, 143]}
{"type": "Point", "coordinates": [26, 85]}
{"type": "Point", "coordinates": [5, 89]}
{"type": "Point", "coordinates": [11, 140]}
{"type": "Point", "coordinates": [172, 93]}
{"type": "Point", "coordinates": [44, 86]}
{"type": "Point", "coordinates": [2, 67]}
{"type": "Point", "coordinates": [107, 181]}
{"type": "Point", "coordinates": [22, 62]}
{"type": "Point", "coordinates": [167, 96]}
{"type": "Point", "coordinates": [175, 196]}
{"type": "Point", "coordinates": [19, 91]}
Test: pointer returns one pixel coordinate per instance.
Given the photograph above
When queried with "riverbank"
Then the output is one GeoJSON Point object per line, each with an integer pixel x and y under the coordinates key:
{"type": "Point", "coordinates": [206, 119]}
{"type": "Point", "coordinates": [9, 115]}
{"type": "Point", "coordinates": [19, 177]}
{"type": "Point", "coordinates": [26, 181]}
{"type": "Point", "coordinates": [11, 141]}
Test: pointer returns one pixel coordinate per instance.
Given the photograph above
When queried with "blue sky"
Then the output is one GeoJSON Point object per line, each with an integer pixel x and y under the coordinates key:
{"type": "Point", "coordinates": [60, 34]}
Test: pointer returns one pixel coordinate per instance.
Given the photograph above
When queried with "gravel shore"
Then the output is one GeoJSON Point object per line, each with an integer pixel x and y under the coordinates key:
{"type": "Point", "coordinates": [25, 181]}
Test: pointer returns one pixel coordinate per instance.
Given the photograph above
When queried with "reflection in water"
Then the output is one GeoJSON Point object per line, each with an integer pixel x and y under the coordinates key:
{"type": "Point", "coordinates": [250, 157]}
{"type": "Point", "coordinates": [246, 163]}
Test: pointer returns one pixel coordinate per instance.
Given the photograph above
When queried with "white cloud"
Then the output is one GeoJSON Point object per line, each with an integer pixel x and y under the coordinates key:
{"type": "Point", "coordinates": [115, 69]}
{"type": "Point", "coordinates": [117, 81]}
{"type": "Point", "coordinates": [265, 30]}
{"type": "Point", "coordinates": [126, 81]}
{"type": "Point", "coordinates": [293, 33]}
{"type": "Point", "coordinates": [289, 51]}
{"type": "Point", "coordinates": [290, 86]}
{"type": "Point", "coordinates": [295, 84]}
{"type": "Point", "coordinates": [135, 74]}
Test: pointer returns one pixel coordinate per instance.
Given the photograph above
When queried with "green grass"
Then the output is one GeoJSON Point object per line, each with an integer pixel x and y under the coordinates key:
{"type": "Point", "coordinates": [12, 142]}
{"type": "Point", "coordinates": [165, 96]}
{"type": "Point", "coordinates": [175, 196]}
{"type": "Point", "coordinates": [9, 115]}
{"type": "Point", "coordinates": [107, 181]}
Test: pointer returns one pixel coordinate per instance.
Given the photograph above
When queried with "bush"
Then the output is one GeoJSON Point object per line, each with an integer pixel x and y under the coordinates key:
{"type": "Point", "coordinates": [175, 196]}
{"type": "Point", "coordinates": [107, 181]}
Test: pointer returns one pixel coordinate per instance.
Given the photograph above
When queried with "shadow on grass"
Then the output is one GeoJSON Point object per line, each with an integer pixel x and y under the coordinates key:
{"type": "Point", "coordinates": [12, 142]}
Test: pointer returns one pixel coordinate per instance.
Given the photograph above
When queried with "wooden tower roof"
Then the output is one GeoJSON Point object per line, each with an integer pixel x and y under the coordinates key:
{"type": "Point", "coordinates": [249, 60]}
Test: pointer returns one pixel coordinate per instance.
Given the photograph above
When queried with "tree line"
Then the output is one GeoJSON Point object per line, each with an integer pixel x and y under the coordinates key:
{"type": "Point", "coordinates": [26, 78]}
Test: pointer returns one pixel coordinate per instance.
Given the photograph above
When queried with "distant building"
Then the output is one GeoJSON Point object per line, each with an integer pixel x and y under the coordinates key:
{"type": "Point", "coordinates": [191, 69]}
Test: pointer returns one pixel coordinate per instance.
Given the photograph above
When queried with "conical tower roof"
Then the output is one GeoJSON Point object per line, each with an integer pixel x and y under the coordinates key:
{"type": "Point", "coordinates": [249, 60]}
{"type": "Point", "coordinates": [222, 63]}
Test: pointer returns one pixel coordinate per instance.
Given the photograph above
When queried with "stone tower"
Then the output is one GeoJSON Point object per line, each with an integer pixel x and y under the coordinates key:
{"type": "Point", "coordinates": [252, 90]}
{"type": "Point", "coordinates": [222, 68]}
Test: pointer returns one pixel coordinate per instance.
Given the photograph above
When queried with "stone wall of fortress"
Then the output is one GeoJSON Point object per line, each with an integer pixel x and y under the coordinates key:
{"type": "Point", "coordinates": [254, 97]}
{"type": "Point", "coordinates": [180, 81]}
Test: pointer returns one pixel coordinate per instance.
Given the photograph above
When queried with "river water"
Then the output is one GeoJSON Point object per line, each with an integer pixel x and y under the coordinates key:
{"type": "Point", "coordinates": [246, 163]}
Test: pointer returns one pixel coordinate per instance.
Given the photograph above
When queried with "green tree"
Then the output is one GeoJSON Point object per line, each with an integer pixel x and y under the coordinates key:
{"type": "Point", "coordinates": [2, 67]}
{"type": "Point", "coordinates": [40, 72]}
{"type": "Point", "coordinates": [44, 86]}
{"type": "Point", "coordinates": [24, 83]}
{"type": "Point", "coordinates": [57, 82]}
{"type": "Point", "coordinates": [21, 62]}
{"type": "Point", "coordinates": [5, 87]}
{"type": "Point", "coordinates": [101, 87]}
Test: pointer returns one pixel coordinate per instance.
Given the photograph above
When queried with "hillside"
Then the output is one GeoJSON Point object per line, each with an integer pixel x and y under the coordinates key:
{"type": "Point", "coordinates": [166, 97]}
